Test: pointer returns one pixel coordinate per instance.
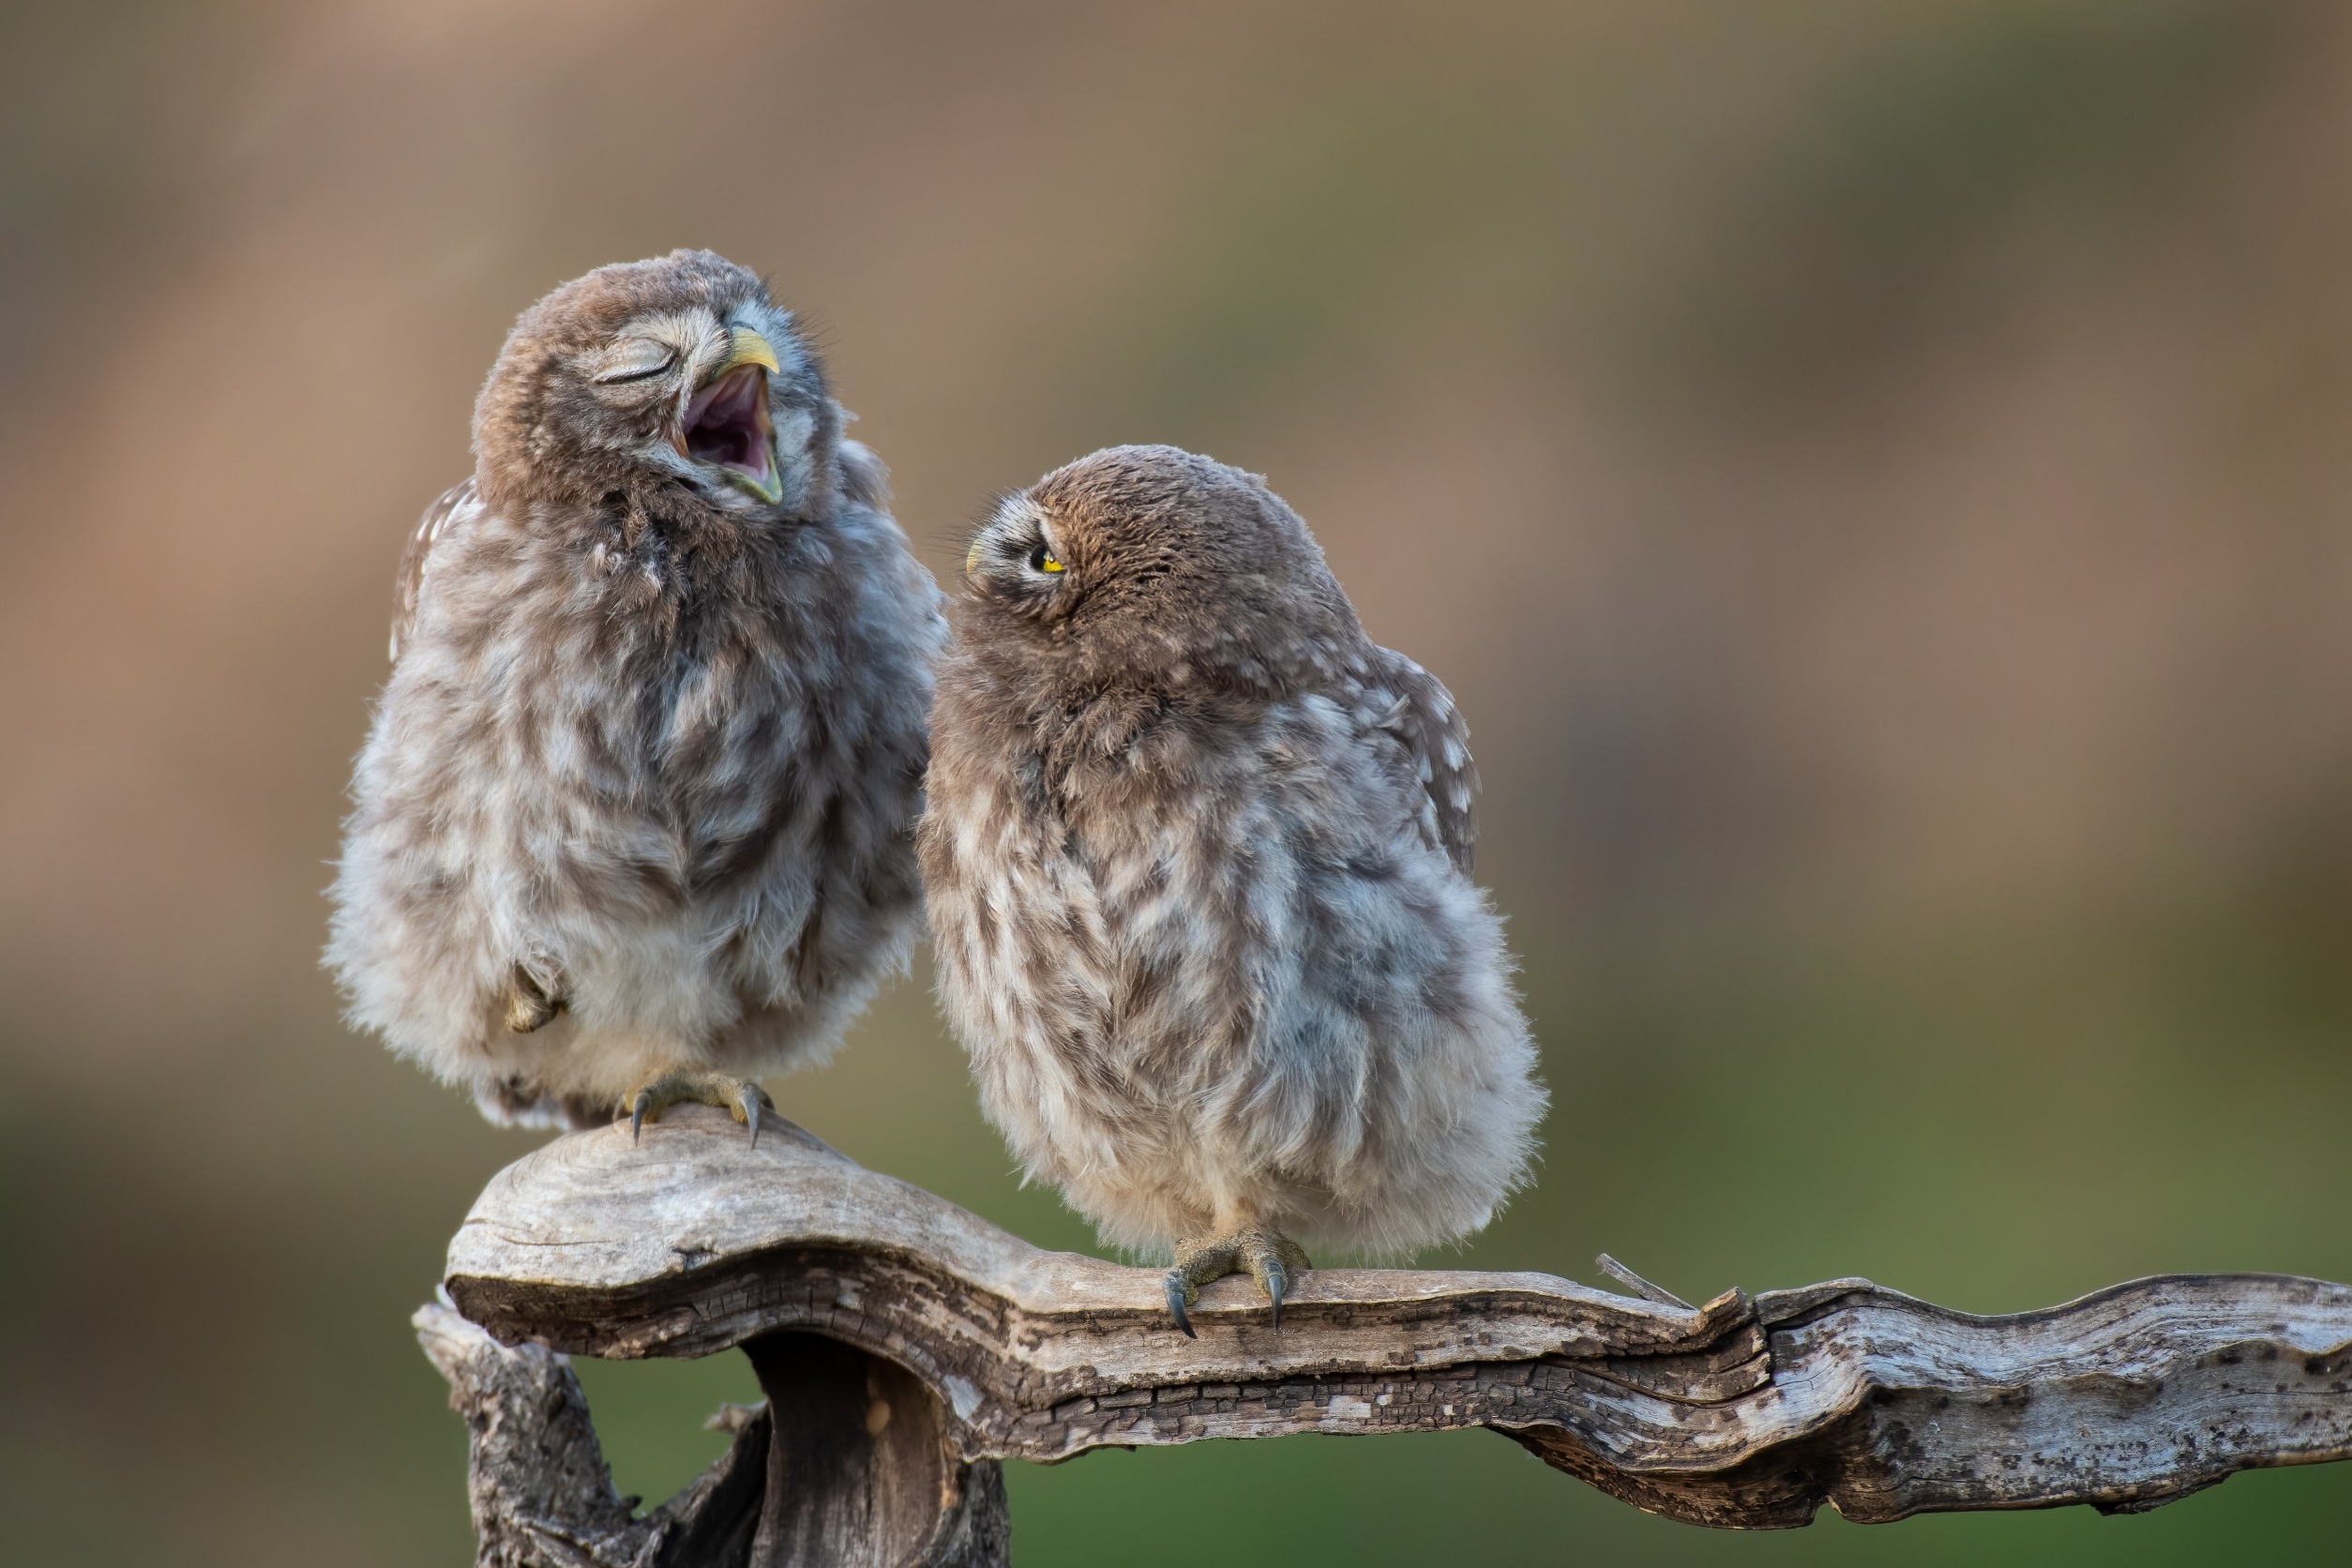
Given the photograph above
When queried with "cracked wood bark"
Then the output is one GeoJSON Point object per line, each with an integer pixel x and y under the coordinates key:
{"type": "Point", "coordinates": [1744, 1411]}
{"type": "Point", "coordinates": [542, 1492]}
{"type": "Point", "coordinates": [836, 1481]}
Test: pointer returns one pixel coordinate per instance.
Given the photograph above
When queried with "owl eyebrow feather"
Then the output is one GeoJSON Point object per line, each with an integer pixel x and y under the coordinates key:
{"type": "Point", "coordinates": [960, 537]}
{"type": "Point", "coordinates": [615, 378]}
{"type": "Point", "coordinates": [638, 368]}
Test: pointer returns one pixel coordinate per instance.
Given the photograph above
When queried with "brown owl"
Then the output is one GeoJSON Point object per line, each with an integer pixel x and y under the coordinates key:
{"type": "Point", "coordinates": [1197, 859]}
{"type": "Point", "coordinates": [634, 817]}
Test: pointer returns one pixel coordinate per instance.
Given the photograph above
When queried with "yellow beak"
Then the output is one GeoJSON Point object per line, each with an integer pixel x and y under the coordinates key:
{"type": "Point", "coordinates": [747, 347]}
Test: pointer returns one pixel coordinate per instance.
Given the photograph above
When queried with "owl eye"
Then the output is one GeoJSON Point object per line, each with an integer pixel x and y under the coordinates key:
{"type": "Point", "coordinates": [1042, 560]}
{"type": "Point", "coordinates": [637, 362]}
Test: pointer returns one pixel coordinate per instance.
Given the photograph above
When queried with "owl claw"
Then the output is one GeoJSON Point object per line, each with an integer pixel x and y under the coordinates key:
{"type": "Point", "coordinates": [532, 1002]}
{"type": "Point", "coordinates": [1265, 1255]}
{"type": "Point", "coordinates": [742, 1099]}
{"type": "Point", "coordinates": [1179, 1289]}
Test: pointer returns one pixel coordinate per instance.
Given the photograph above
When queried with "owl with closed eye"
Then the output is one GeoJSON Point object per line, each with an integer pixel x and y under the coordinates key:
{"type": "Point", "coordinates": [634, 821]}
{"type": "Point", "coordinates": [1196, 854]}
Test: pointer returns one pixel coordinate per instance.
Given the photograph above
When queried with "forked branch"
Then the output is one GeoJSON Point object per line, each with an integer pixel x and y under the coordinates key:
{"type": "Point", "coordinates": [1746, 1413]}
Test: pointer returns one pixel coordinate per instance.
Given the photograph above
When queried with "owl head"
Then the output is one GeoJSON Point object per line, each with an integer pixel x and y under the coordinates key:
{"type": "Point", "coordinates": [671, 377]}
{"type": "Point", "coordinates": [1154, 563]}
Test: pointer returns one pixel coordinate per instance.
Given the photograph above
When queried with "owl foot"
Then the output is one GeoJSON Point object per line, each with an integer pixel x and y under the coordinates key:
{"type": "Point", "coordinates": [1268, 1257]}
{"type": "Point", "coordinates": [744, 1099]}
{"type": "Point", "coordinates": [530, 1002]}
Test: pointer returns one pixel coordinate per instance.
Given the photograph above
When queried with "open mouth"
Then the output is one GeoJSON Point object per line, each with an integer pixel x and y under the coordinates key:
{"type": "Point", "coordinates": [726, 425]}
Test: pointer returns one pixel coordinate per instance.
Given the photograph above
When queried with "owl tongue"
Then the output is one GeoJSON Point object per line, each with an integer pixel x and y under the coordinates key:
{"type": "Point", "coordinates": [727, 425]}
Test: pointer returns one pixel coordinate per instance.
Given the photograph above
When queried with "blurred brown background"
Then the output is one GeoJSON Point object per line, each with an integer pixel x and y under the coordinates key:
{"type": "Point", "coordinates": [1875, 475]}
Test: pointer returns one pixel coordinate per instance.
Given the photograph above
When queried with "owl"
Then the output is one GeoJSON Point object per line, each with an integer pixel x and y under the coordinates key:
{"type": "Point", "coordinates": [635, 818]}
{"type": "Point", "coordinates": [1197, 856]}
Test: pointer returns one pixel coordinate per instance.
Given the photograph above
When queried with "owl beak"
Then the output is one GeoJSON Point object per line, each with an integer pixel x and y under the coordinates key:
{"type": "Point", "coordinates": [747, 347]}
{"type": "Point", "coordinates": [728, 425]}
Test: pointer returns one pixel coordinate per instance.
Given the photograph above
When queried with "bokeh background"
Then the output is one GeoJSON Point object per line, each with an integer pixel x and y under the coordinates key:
{"type": "Point", "coordinates": [1875, 475]}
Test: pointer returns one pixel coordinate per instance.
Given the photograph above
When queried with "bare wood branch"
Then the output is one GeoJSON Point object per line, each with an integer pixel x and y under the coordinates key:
{"type": "Point", "coordinates": [542, 1492]}
{"type": "Point", "coordinates": [836, 1481]}
{"type": "Point", "coordinates": [1742, 1411]}
{"type": "Point", "coordinates": [1642, 1288]}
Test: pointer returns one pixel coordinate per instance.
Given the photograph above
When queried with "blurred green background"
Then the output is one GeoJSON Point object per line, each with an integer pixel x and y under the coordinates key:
{"type": "Point", "coordinates": [1875, 475]}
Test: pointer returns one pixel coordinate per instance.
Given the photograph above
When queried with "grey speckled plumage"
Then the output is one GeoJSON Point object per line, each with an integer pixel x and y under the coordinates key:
{"type": "Point", "coordinates": [640, 793]}
{"type": "Point", "coordinates": [1196, 854]}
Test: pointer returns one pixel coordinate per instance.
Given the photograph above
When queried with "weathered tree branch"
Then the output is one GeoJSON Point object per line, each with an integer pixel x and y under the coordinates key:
{"type": "Point", "coordinates": [540, 1489]}
{"type": "Point", "coordinates": [968, 1346]}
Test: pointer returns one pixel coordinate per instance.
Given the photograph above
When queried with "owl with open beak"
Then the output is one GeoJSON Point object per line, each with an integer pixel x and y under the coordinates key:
{"type": "Point", "coordinates": [634, 820]}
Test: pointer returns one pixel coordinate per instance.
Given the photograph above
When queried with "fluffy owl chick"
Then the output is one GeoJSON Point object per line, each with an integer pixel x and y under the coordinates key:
{"type": "Point", "coordinates": [1196, 859]}
{"type": "Point", "coordinates": [635, 820]}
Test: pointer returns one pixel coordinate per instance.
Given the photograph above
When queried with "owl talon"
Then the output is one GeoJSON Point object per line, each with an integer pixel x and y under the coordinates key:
{"type": "Point", "coordinates": [531, 1004]}
{"type": "Point", "coordinates": [1180, 1293]}
{"type": "Point", "coordinates": [1273, 1281]}
{"type": "Point", "coordinates": [1265, 1255]}
{"type": "Point", "coordinates": [741, 1098]}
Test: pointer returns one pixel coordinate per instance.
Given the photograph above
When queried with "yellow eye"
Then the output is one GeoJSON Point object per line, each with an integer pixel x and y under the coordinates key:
{"type": "Point", "coordinates": [1041, 560]}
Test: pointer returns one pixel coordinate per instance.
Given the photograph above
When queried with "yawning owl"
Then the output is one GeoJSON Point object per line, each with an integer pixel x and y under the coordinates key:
{"type": "Point", "coordinates": [634, 820]}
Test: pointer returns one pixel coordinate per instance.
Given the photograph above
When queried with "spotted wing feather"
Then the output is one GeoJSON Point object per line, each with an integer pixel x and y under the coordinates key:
{"type": "Point", "coordinates": [457, 506]}
{"type": "Point", "coordinates": [1423, 718]}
